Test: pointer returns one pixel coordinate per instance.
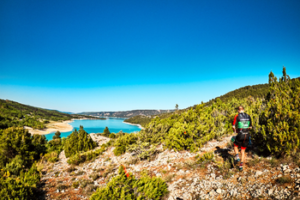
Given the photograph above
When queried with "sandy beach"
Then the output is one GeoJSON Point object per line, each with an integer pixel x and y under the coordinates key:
{"type": "Point", "coordinates": [134, 125]}
{"type": "Point", "coordinates": [52, 127]}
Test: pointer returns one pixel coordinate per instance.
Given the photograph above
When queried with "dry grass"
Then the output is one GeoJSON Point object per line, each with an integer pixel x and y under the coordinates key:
{"type": "Point", "coordinates": [253, 162]}
{"type": "Point", "coordinates": [132, 161]}
{"type": "Point", "coordinates": [94, 176]}
{"type": "Point", "coordinates": [169, 178]}
{"type": "Point", "coordinates": [108, 170]}
{"type": "Point", "coordinates": [191, 164]}
{"type": "Point", "coordinates": [85, 182]}
{"type": "Point", "coordinates": [62, 186]}
{"type": "Point", "coordinates": [284, 180]}
{"type": "Point", "coordinates": [71, 169]}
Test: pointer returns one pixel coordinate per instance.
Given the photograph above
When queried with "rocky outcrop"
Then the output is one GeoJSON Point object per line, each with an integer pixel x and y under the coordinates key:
{"type": "Point", "coordinates": [186, 178]}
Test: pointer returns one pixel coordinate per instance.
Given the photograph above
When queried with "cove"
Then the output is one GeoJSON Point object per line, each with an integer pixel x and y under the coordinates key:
{"type": "Point", "coordinates": [97, 126]}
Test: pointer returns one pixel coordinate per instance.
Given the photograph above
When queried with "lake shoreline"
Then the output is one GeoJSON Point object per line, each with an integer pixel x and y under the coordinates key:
{"type": "Point", "coordinates": [64, 126]}
{"type": "Point", "coordinates": [138, 125]}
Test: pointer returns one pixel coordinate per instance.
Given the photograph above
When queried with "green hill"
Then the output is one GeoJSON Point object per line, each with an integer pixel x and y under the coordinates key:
{"type": "Point", "coordinates": [275, 117]}
{"type": "Point", "coordinates": [255, 91]}
{"type": "Point", "coordinates": [17, 114]}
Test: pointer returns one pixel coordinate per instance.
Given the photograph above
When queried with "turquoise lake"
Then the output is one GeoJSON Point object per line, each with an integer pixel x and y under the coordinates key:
{"type": "Point", "coordinates": [97, 126]}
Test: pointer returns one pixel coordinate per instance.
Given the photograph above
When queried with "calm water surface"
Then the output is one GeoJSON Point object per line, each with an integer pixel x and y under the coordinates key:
{"type": "Point", "coordinates": [97, 126]}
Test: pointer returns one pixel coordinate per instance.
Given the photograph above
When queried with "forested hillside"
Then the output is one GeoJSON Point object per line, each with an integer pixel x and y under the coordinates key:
{"type": "Point", "coordinates": [255, 91]}
{"type": "Point", "coordinates": [16, 114]}
{"type": "Point", "coordinates": [275, 120]}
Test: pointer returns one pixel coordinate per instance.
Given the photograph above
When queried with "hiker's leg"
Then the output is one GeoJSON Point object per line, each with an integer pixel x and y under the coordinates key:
{"type": "Point", "coordinates": [243, 151]}
{"type": "Point", "coordinates": [236, 149]}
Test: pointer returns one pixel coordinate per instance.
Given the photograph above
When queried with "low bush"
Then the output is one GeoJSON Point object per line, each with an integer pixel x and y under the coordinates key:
{"type": "Point", "coordinates": [62, 186]}
{"type": "Point", "coordinates": [75, 184]}
{"type": "Point", "coordinates": [56, 174]}
{"type": "Point", "coordinates": [71, 169]}
{"type": "Point", "coordinates": [79, 173]}
{"type": "Point", "coordinates": [94, 176]}
{"type": "Point", "coordinates": [169, 178]}
{"type": "Point", "coordinates": [284, 179]}
{"type": "Point", "coordinates": [123, 187]}
{"type": "Point", "coordinates": [206, 157]}
{"type": "Point", "coordinates": [86, 156]}
{"type": "Point", "coordinates": [19, 187]}
{"type": "Point", "coordinates": [85, 182]}
{"type": "Point", "coordinates": [143, 150]}
{"type": "Point", "coordinates": [123, 142]}
{"type": "Point", "coordinates": [51, 156]}
{"type": "Point", "coordinates": [89, 189]}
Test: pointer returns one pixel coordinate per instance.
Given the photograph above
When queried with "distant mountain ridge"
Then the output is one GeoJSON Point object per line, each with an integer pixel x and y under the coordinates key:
{"type": "Point", "coordinates": [126, 114]}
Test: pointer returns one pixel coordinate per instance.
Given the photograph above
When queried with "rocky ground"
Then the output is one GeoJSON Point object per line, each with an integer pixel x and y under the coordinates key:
{"type": "Point", "coordinates": [187, 178]}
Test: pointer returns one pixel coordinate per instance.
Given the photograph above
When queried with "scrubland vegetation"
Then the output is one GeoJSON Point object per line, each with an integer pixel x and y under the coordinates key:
{"type": "Point", "coordinates": [125, 186]}
{"type": "Point", "coordinates": [275, 119]}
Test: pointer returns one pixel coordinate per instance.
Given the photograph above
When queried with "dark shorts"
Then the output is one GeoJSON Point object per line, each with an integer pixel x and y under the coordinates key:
{"type": "Point", "coordinates": [241, 140]}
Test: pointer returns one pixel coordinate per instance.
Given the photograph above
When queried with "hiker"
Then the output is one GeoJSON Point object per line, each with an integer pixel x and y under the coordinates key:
{"type": "Point", "coordinates": [241, 124]}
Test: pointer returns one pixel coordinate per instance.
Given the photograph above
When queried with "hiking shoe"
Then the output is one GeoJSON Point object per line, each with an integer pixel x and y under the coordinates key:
{"type": "Point", "coordinates": [237, 160]}
{"type": "Point", "coordinates": [241, 168]}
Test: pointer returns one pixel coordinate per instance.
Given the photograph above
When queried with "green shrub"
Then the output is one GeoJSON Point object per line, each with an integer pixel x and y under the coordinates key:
{"type": "Point", "coordinates": [123, 187]}
{"type": "Point", "coordinates": [280, 120]}
{"type": "Point", "coordinates": [75, 184]}
{"type": "Point", "coordinates": [85, 182]}
{"type": "Point", "coordinates": [18, 152]}
{"type": "Point", "coordinates": [56, 174]}
{"type": "Point", "coordinates": [123, 142]}
{"type": "Point", "coordinates": [94, 176]}
{"type": "Point", "coordinates": [106, 132]}
{"type": "Point", "coordinates": [87, 156]}
{"type": "Point", "coordinates": [119, 150]}
{"type": "Point", "coordinates": [15, 166]}
{"type": "Point", "coordinates": [18, 141]}
{"type": "Point", "coordinates": [206, 157]}
{"type": "Point", "coordinates": [143, 150]}
{"type": "Point", "coordinates": [112, 136]}
{"type": "Point", "coordinates": [78, 141]}
{"type": "Point", "coordinates": [53, 159]}
{"type": "Point", "coordinates": [51, 156]}
{"type": "Point", "coordinates": [284, 179]}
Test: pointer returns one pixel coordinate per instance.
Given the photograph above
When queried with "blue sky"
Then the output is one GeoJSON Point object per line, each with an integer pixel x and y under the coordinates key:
{"type": "Point", "coordinates": [122, 55]}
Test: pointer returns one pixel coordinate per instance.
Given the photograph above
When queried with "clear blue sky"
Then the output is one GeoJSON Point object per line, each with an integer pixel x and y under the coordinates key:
{"type": "Point", "coordinates": [122, 55]}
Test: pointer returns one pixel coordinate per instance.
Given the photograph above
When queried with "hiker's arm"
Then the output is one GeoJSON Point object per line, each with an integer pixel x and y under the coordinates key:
{"type": "Point", "coordinates": [234, 122]}
{"type": "Point", "coordinates": [250, 123]}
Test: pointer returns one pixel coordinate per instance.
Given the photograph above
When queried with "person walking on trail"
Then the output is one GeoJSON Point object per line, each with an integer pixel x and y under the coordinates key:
{"type": "Point", "coordinates": [241, 124]}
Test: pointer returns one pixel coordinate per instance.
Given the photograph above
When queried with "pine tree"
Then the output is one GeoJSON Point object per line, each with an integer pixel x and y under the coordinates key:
{"type": "Point", "coordinates": [280, 121]}
{"type": "Point", "coordinates": [106, 132]}
{"type": "Point", "coordinates": [57, 135]}
{"type": "Point", "coordinates": [78, 141]}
